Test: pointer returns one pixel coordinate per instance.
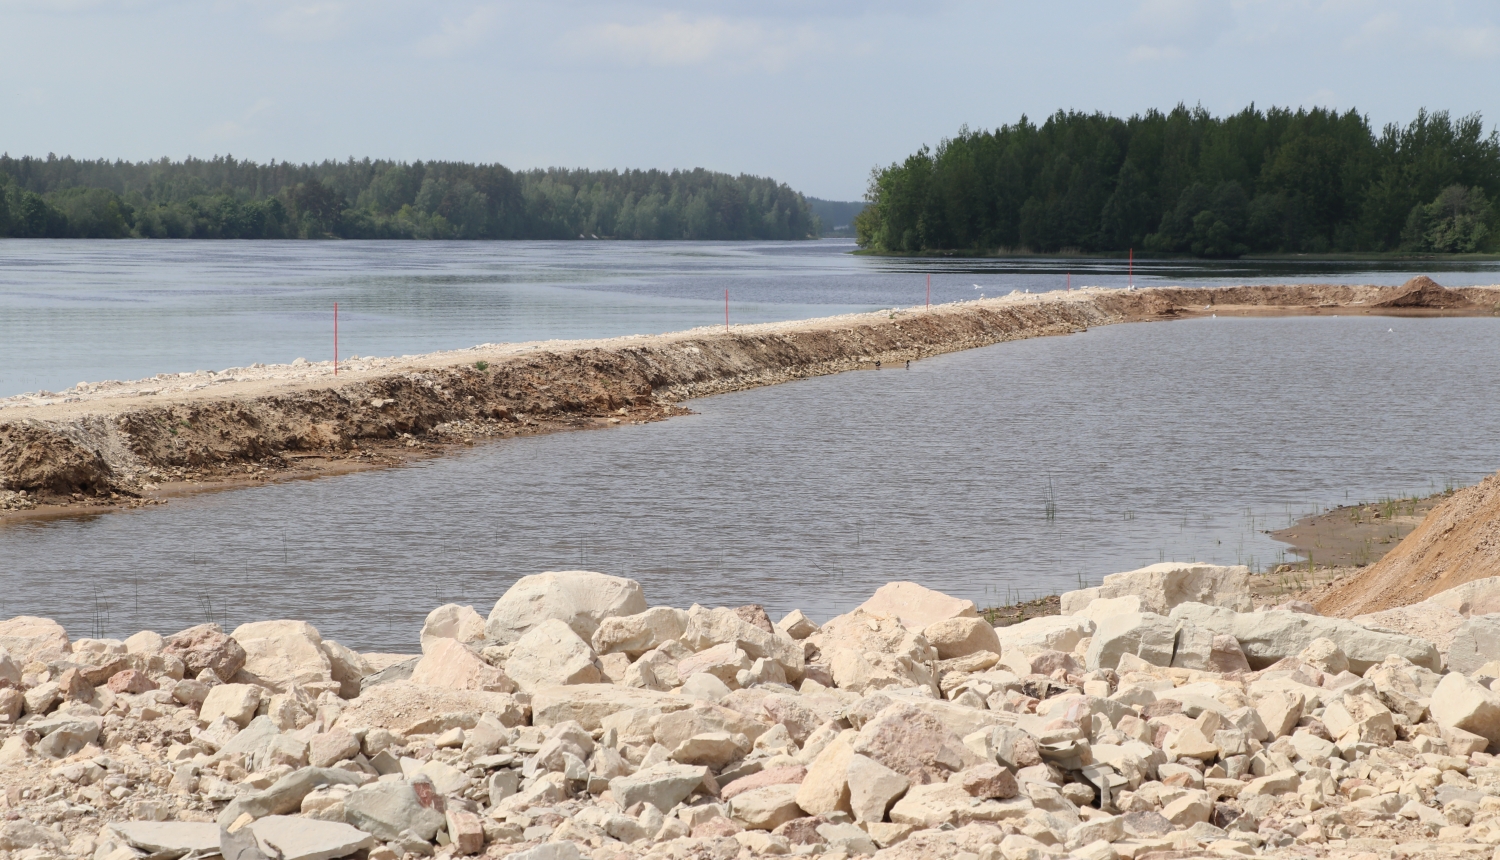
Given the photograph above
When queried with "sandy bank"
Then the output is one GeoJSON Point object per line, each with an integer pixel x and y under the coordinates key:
{"type": "Point", "coordinates": [130, 443]}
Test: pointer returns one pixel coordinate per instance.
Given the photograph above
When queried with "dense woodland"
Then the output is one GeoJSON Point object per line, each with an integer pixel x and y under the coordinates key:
{"type": "Point", "coordinates": [1185, 182]}
{"type": "Point", "coordinates": [224, 198]}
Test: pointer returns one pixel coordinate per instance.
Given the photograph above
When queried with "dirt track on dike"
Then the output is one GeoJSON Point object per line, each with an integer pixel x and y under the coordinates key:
{"type": "Point", "coordinates": [124, 444]}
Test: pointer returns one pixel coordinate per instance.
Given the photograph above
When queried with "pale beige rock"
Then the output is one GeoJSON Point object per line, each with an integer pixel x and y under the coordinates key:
{"type": "Point", "coordinates": [1279, 712]}
{"type": "Point", "coordinates": [914, 743]}
{"type": "Point", "coordinates": [1047, 633]}
{"type": "Point", "coordinates": [873, 787]}
{"type": "Point", "coordinates": [206, 647]}
{"type": "Point", "coordinates": [414, 709]}
{"type": "Point", "coordinates": [1431, 621]}
{"type": "Point", "coordinates": [711, 749]}
{"type": "Point", "coordinates": [579, 598]}
{"type": "Point", "coordinates": [331, 747]}
{"type": "Point", "coordinates": [710, 627]}
{"type": "Point", "coordinates": [1460, 703]}
{"type": "Point", "coordinates": [283, 654]}
{"type": "Point", "coordinates": [1272, 785]}
{"type": "Point", "coordinates": [1193, 807]}
{"type": "Point", "coordinates": [347, 667]}
{"type": "Point", "coordinates": [634, 635]}
{"type": "Point", "coordinates": [960, 637]}
{"type": "Point", "coordinates": [236, 702]}
{"type": "Point", "coordinates": [766, 808]}
{"type": "Point", "coordinates": [589, 704]}
{"type": "Point", "coordinates": [452, 621]}
{"type": "Point", "coordinates": [872, 652]}
{"type": "Point", "coordinates": [1326, 655]}
{"type": "Point", "coordinates": [797, 625]}
{"type": "Point", "coordinates": [825, 789]}
{"type": "Point", "coordinates": [1102, 607]}
{"type": "Point", "coordinates": [446, 662]}
{"type": "Point", "coordinates": [551, 654]}
{"type": "Point", "coordinates": [1359, 717]}
{"type": "Point", "coordinates": [27, 637]}
{"type": "Point", "coordinates": [724, 662]}
{"type": "Point", "coordinates": [916, 607]}
{"type": "Point", "coordinates": [145, 642]}
{"type": "Point", "coordinates": [1476, 597]}
{"type": "Point", "coordinates": [1168, 584]}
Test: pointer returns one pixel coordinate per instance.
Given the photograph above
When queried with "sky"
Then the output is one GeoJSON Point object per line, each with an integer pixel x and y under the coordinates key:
{"type": "Point", "coordinates": [814, 94]}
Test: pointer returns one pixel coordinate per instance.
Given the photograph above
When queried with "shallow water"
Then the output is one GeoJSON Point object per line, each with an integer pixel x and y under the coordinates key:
{"type": "Point", "coordinates": [1148, 442]}
{"type": "Point", "coordinates": [91, 310]}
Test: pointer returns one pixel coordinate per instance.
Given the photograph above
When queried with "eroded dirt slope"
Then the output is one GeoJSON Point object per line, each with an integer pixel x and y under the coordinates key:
{"type": "Point", "coordinates": [1459, 541]}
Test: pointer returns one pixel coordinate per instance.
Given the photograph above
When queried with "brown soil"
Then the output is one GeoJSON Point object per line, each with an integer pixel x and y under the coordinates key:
{"type": "Point", "coordinates": [95, 449]}
{"type": "Point", "coordinates": [1015, 613]}
{"type": "Point", "coordinates": [1459, 541]}
{"type": "Point", "coordinates": [1356, 535]}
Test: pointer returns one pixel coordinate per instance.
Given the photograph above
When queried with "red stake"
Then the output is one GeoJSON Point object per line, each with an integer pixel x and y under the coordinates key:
{"type": "Point", "coordinates": [335, 338]}
{"type": "Point", "coordinates": [929, 292]}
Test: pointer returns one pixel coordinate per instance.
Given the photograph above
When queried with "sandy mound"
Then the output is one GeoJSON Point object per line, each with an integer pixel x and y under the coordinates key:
{"type": "Point", "coordinates": [1457, 543]}
{"type": "Point", "coordinates": [1424, 292]}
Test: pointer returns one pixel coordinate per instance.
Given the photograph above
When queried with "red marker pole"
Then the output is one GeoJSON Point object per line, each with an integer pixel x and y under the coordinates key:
{"type": "Point", "coordinates": [726, 310]}
{"type": "Point", "coordinates": [335, 338]}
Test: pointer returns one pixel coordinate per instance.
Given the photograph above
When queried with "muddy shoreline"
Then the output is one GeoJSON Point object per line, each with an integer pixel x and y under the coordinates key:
{"type": "Point", "coordinates": [122, 445]}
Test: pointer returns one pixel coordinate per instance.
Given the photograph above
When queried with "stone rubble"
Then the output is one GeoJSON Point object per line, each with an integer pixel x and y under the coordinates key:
{"type": "Point", "coordinates": [577, 722]}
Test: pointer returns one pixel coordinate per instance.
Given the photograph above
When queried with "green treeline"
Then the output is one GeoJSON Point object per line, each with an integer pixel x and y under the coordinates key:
{"type": "Point", "coordinates": [1185, 182]}
{"type": "Point", "coordinates": [223, 198]}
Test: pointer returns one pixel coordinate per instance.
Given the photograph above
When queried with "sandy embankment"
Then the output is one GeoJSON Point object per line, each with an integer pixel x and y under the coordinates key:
{"type": "Point", "coordinates": [131, 443]}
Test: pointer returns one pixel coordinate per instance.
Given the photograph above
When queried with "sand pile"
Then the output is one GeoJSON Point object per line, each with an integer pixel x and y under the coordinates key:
{"type": "Point", "coordinates": [1457, 543]}
{"type": "Point", "coordinates": [1424, 292]}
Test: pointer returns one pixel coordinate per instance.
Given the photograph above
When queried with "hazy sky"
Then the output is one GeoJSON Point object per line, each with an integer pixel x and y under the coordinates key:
{"type": "Point", "coordinates": [814, 94]}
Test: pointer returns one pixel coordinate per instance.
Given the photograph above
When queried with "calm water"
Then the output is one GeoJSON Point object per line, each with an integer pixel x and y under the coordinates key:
{"type": "Point", "coordinates": [73, 311]}
{"type": "Point", "coordinates": [1165, 441]}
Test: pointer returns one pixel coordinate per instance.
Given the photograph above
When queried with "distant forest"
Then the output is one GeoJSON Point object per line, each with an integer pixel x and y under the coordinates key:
{"type": "Point", "coordinates": [836, 216]}
{"type": "Point", "coordinates": [224, 198]}
{"type": "Point", "coordinates": [1186, 182]}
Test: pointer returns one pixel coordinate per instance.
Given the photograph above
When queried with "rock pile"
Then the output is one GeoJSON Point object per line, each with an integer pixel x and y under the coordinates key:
{"type": "Point", "coordinates": [576, 721]}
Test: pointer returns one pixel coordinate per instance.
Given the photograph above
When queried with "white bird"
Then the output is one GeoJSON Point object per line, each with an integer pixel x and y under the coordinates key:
{"type": "Point", "coordinates": [1390, 331]}
{"type": "Point", "coordinates": [977, 287]}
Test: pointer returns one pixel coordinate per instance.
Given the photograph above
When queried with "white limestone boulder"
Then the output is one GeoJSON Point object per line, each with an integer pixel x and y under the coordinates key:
{"type": "Point", "coordinates": [452, 621]}
{"type": "Point", "coordinates": [1163, 586]}
{"type": "Point", "coordinates": [549, 654]}
{"type": "Point", "coordinates": [579, 598]}
{"type": "Point", "coordinates": [1267, 637]}
{"type": "Point", "coordinates": [283, 654]}
{"type": "Point", "coordinates": [916, 606]}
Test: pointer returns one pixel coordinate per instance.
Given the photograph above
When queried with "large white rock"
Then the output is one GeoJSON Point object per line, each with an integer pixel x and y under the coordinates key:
{"type": "Point", "coordinates": [1267, 637]}
{"type": "Point", "coordinates": [1163, 586]}
{"type": "Point", "coordinates": [297, 838]}
{"type": "Point", "coordinates": [915, 606]}
{"type": "Point", "coordinates": [579, 598]}
{"type": "Point", "coordinates": [551, 654]}
{"type": "Point", "coordinates": [1460, 703]}
{"type": "Point", "coordinates": [663, 785]}
{"type": "Point", "coordinates": [415, 709]}
{"type": "Point", "coordinates": [634, 635]}
{"type": "Point", "coordinates": [707, 628]}
{"type": "Point", "coordinates": [960, 637]}
{"type": "Point", "coordinates": [170, 837]}
{"type": "Point", "coordinates": [283, 654]}
{"type": "Point", "coordinates": [1143, 634]}
{"type": "Point", "coordinates": [866, 651]}
{"type": "Point", "coordinates": [1476, 642]}
{"type": "Point", "coordinates": [1103, 607]}
{"type": "Point", "coordinates": [448, 663]}
{"type": "Point", "coordinates": [1048, 633]}
{"type": "Point", "coordinates": [452, 621]}
{"type": "Point", "coordinates": [25, 637]}
{"type": "Point", "coordinates": [1427, 621]}
{"type": "Point", "coordinates": [590, 704]}
{"type": "Point", "coordinates": [1478, 597]}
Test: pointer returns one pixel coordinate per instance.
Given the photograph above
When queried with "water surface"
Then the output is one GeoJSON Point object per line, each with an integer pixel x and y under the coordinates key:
{"type": "Point", "coordinates": [91, 310]}
{"type": "Point", "coordinates": [1146, 442]}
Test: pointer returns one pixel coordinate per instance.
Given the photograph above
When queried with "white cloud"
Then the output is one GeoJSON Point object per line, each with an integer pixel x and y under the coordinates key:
{"type": "Point", "coordinates": [310, 22]}
{"type": "Point", "coordinates": [457, 36]}
{"type": "Point", "coordinates": [675, 40]}
{"type": "Point", "coordinates": [237, 128]}
{"type": "Point", "coordinates": [1470, 42]}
